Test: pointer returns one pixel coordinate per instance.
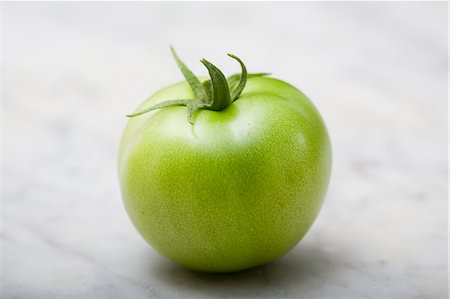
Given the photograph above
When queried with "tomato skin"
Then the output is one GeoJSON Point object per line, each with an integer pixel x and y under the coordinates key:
{"type": "Point", "coordinates": [237, 189]}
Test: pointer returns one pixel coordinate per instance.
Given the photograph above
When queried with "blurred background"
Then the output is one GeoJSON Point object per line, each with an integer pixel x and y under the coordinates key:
{"type": "Point", "coordinates": [377, 72]}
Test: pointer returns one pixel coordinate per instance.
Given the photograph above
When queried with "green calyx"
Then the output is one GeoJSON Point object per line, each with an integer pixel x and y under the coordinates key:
{"type": "Point", "coordinates": [215, 94]}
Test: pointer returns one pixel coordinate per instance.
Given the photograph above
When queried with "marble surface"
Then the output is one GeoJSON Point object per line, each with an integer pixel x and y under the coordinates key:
{"type": "Point", "coordinates": [376, 71]}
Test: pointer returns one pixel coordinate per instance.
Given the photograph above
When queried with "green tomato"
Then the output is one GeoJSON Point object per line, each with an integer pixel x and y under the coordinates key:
{"type": "Point", "coordinates": [232, 188]}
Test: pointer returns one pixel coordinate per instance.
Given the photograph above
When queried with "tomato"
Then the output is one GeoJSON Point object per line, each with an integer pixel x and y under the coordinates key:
{"type": "Point", "coordinates": [235, 185]}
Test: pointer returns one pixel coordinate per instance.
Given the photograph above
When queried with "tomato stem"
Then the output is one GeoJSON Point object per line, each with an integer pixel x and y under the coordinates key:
{"type": "Point", "coordinates": [217, 88]}
{"type": "Point", "coordinates": [216, 94]}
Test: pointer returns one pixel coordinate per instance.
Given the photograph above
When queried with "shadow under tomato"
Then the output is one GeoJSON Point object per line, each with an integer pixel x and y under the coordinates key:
{"type": "Point", "coordinates": [305, 265]}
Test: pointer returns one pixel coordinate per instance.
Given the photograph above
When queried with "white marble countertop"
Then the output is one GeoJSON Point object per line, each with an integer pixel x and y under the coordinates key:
{"type": "Point", "coordinates": [376, 71]}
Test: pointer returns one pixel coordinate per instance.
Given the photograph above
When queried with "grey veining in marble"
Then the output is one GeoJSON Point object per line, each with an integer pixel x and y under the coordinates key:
{"type": "Point", "coordinates": [377, 72]}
